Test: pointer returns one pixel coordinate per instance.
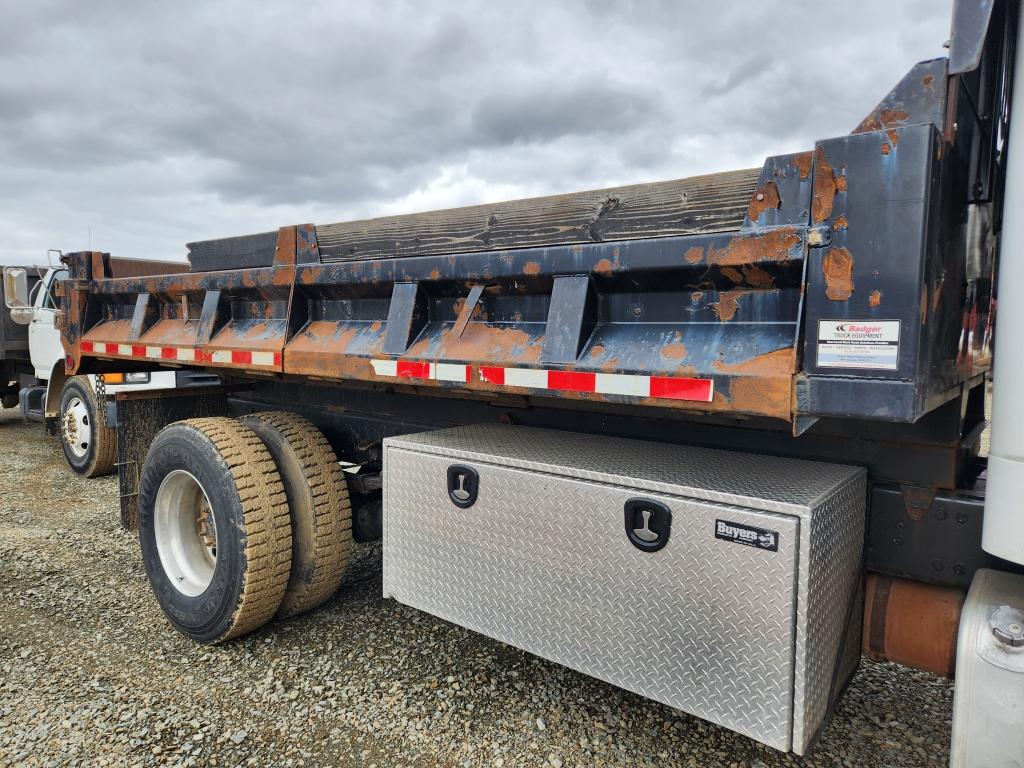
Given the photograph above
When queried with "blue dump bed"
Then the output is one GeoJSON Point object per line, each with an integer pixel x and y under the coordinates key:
{"type": "Point", "coordinates": [852, 280]}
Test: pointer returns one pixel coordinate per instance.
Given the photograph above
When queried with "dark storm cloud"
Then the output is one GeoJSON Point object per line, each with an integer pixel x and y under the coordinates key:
{"type": "Point", "coordinates": [547, 111]}
{"type": "Point", "coordinates": [158, 123]}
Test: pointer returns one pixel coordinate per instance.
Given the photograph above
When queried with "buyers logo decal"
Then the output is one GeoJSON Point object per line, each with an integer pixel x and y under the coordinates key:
{"type": "Point", "coordinates": [747, 535]}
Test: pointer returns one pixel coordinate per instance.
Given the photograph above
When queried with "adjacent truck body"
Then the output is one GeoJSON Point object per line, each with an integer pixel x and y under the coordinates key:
{"type": "Point", "coordinates": [620, 403]}
{"type": "Point", "coordinates": [33, 378]}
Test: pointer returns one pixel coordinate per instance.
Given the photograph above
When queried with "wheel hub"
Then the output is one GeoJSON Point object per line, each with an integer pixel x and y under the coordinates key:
{"type": "Point", "coordinates": [76, 427]}
{"type": "Point", "coordinates": [186, 533]}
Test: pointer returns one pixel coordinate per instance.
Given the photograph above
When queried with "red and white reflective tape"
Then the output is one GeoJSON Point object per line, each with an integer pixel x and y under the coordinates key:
{"type": "Point", "coordinates": [186, 354]}
{"type": "Point", "coordinates": [410, 369]}
{"type": "Point", "coordinates": [666, 387]}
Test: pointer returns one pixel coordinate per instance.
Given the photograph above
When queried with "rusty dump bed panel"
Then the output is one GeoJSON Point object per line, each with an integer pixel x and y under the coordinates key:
{"type": "Point", "coordinates": [725, 294]}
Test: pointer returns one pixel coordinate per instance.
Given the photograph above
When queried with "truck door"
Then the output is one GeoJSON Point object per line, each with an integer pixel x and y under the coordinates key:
{"type": "Point", "coordinates": [43, 338]}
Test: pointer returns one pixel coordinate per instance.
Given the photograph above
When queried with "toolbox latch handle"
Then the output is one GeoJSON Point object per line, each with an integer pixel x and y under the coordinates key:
{"type": "Point", "coordinates": [463, 485]}
{"type": "Point", "coordinates": [648, 524]}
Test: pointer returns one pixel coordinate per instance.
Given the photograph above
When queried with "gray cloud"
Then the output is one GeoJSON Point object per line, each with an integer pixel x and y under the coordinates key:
{"type": "Point", "coordinates": [543, 112]}
{"type": "Point", "coordinates": [158, 123]}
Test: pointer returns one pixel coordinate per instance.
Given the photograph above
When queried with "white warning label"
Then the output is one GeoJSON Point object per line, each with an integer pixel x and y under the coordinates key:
{"type": "Point", "coordinates": [859, 344]}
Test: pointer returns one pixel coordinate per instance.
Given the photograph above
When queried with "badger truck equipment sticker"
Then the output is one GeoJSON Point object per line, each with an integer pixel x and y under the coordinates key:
{"type": "Point", "coordinates": [872, 344]}
{"type": "Point", "coordinates": [747, 535]}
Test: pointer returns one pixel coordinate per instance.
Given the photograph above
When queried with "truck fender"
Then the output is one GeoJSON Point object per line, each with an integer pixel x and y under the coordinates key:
{"type": "Point", "coordinates": [54, 389]}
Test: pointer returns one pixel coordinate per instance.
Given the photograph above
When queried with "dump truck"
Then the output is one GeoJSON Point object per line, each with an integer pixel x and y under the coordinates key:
{"type": "Point", "coordinates": [707, 439]}
{"type": "Point", "coordinates": [15, 359]}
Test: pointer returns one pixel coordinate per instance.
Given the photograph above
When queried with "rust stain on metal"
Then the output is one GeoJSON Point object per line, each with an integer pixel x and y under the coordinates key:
{"type": "Point", "coordinates": [773, 245]}
{"type": "Point", "coordinates": [824, 187]}
{"type": "Point", "coordinates": [727, 304]}
{"type": "Point", "coordinates": [531, 268]}
{"type": "Point", "coordinates": [675, 350]}
{"type": "Point", "coordinates": [687, 370]}
{"type": "Point", "coordinates": [881, 119]}
{"type": "Point", "coordinates": [892, 117]}
{"type": "Point", "coordinates": [781, 362]}
{"type": "Point", "coordinates": [894, 137]}
{"type": "Point", "coordinates": [375, 325]}
{"type": "Point", "coordinates": [841, 183]}
{"type": "Point", "coordinates": [927, 81]}
{"type": "Point", "coordinates": [597, 350]}
{"type": "Point", "coordinates": [802, 163]}
{"type": "Point", "coordinates": [117, 331]}
{"type": "Point", "coordinates": [841, 222]}
{"type": "Point", "coordinates": [757, 277]}
{"type": "Point", "coordinates": [481, 342]}
{"type": "Point", "coordinates": [917, 500]}
{"type": "Point", "coordinates": [886, 149]}
{"type": "Point", "coordinates": [694, 254]}
{"type": "Point", "coordinates": [604, 267]}
{"type": "Point", "coordinates": [98, 265]}
{"type": "Point", "coordinates": [258, 337]}
{"type": "Point", "coordinates": [766, 198]}
{"type": "Point", "coordinates": [732, 274]}
{"type": "Point", "coordinates": [332, 366]}
{"type": "Point", "coordinates": [310, 275]}
{"type": "Point", "coordinates": [696, 296]}
{"type": "Point", "coordinates": [325, 349]}
{"type": "Point", "coordinates": [769, 395]}
{"type": "Point", "coordinates": [912, 623]}
{"type": "Point", "coordinates": [284, 258]}
{"type": "Point", "coordinates": [875, 299]}
{"type": "Point", "coordinates": [435, 274]}
{"type": "Point", "coordinates": [837, 266]}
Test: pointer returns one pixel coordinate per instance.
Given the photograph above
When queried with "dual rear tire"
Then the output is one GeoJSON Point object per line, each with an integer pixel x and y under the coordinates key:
{"type": "Point", "coordinates": [241, 521]}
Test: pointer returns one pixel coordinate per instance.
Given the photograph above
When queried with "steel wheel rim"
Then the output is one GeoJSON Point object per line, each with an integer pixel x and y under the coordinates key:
{"type": "Point", "coordinates": [186, 533]}
{"type": "Point", "coordinates": [76, 427]}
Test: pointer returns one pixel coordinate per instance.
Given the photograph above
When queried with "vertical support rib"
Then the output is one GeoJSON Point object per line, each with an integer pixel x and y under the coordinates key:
{"type": "Point", "coordinates": [211, 318]}
{"type": "Point", "coordinates": [143, 317]}
{"type": "Point", "coordinates": [406, 317]}
{"type": "Point", "coordinates": [467, 310]}
{"type": "Point", "coordinates": [571, 318]}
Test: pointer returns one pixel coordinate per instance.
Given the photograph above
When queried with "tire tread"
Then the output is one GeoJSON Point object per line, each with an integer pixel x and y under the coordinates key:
{"type": "Point", "coordinates": [332, 512]}
{"type": "Point", "coordinates": [268, 535]}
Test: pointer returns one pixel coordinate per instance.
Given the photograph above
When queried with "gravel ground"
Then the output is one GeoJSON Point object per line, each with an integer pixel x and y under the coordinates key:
{"type": "Point", "coordinates": [91, 673]}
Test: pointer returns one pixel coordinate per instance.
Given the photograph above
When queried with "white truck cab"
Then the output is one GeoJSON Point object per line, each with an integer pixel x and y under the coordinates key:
{"type": "Point", "coordinates": [73, 408]}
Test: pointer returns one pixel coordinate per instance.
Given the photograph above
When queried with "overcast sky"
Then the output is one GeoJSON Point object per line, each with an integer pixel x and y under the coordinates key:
{"type": "Point", "coordinates": [158, 123]}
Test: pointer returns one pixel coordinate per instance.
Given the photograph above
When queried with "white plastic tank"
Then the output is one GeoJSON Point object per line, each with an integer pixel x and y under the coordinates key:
{"type": "Point", "coordinates": [1003, 531]}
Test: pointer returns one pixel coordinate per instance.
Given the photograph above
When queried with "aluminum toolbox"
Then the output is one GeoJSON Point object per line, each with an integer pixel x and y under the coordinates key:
{"type": "Point", "coordinates": [726, 585]}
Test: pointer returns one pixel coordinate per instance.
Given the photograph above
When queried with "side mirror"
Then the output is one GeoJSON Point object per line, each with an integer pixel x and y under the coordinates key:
{"type": "Point", "coordinates": [16, 288]}
{"type": "Point", "coordinates": [23, 315]}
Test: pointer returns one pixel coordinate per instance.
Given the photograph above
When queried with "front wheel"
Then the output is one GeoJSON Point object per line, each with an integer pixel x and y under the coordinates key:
{"type": "Point", "coordinates": [90, 446]}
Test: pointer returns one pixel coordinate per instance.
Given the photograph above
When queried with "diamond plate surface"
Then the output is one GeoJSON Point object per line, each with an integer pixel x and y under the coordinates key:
{"type": "Point", "coordinates": [834, 544]}
{"type": "Point", "coordinates": [771, 483]}
{"type": "Point", "coordinates": [541, 562]}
